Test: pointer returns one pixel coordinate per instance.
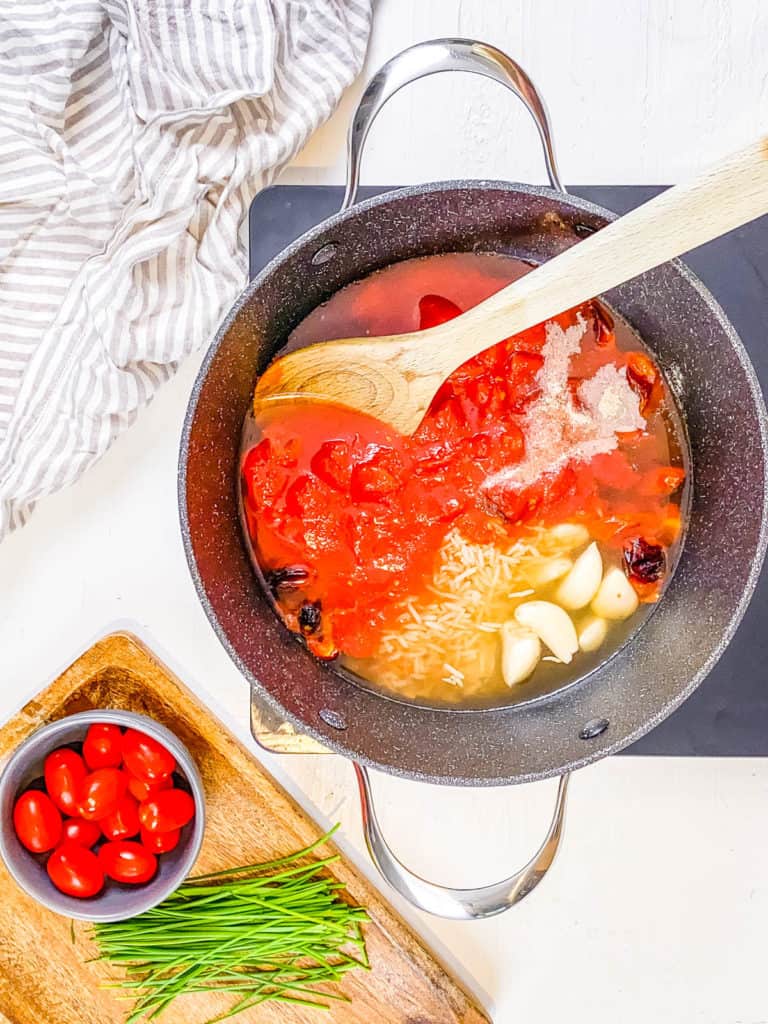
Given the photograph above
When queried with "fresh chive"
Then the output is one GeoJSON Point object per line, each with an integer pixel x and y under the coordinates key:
{"type": "Point", "coordinates": [272, 931]}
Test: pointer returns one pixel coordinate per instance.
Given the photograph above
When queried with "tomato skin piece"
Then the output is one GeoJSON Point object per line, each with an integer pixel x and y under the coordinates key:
{"type": "Point", "coordinates": [127, 861]}
{"type": "Point", "coordinates": [65, 773]}
{"type": "Point", "coordinates": [103, 746]}
{"type": "Point", "coordinates": [75, 871]}
{"type": "Point", "coordinates": [644, 379]}
{"type": "Point", "coordinates": [145, 758]}
{"type": "Point", "coordinates": [170, 809]}
{"type": "Point", "coordinates": [36, 821]}
{"type": "Point", "coordinates": [434, 310]}
{"type": "Point", "coordinates": [82, 832]}
{"type": "Point", "coordinates": [123, 822]}
{"type": "Point", "coordinates": [144, 790]}
{"type": "Point", "coordinates": [101, 792]}
{"type": "Point", "coordinates": [160, 842]}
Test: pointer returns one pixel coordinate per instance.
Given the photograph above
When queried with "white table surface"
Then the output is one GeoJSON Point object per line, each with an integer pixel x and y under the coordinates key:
{"type": "Point", "coordinates": [657, 908]}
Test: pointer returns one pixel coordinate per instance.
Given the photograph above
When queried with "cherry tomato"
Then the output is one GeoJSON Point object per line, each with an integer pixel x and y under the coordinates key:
{"type": "Point", "coordinates": [123, 822]}
{"type": "Point", "coordinates": [75, 870]}
{"type": "Point", "coordinates": [145, 758]}
{"type": "Point", "coordinates": [101, 792]}
{"type": "Point", "coordinates": [103, 747]}
{"type": "Point", "coordinates": [160, 842]}
{"type": "Point", "coordinates": [144, 790]}
{"type": "Point", "coordinates": [80, 831]}
{"type": "Point", "coordinates": [64, 776]}
{"type": "Point", "coordinates": [37, 821]}
{"type": "Point", "coordinates": [167, 810]}
{"type": "Point", "coordinates": [127, 862]}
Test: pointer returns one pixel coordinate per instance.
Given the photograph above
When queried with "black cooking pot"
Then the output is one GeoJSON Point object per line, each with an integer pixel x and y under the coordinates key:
{"type": "Point", "coordinates": [705, 365]}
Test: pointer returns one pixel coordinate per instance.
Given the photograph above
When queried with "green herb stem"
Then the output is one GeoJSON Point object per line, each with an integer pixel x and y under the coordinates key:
{"type": "Point", "coordinates": [272, 931]}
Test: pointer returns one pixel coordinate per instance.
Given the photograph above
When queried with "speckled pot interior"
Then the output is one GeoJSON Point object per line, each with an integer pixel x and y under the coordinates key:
{"type": "Point", "coordinates": [715, 385]}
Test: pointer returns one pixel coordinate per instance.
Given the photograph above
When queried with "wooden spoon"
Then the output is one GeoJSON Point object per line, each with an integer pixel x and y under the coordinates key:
{"type": "Point", "coordinates": [395, 378]}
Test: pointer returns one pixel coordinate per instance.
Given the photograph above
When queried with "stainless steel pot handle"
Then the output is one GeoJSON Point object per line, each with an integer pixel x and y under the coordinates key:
{"type": "Point", "coordinates": [459, 904]}
{"type": "Point", "coordinates": [429, 58]}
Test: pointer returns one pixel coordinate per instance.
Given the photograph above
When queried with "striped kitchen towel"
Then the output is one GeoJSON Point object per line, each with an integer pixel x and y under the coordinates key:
{"type": "Point", "coordinates": [133, 136]}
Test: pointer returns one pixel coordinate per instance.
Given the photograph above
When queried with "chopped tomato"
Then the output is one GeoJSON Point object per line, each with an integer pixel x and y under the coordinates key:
{"type": "Point", "coordinates": [348, 517]}
{"type": "Point", "coordinates": [614, 470]}
{"type": "Point", "coordinates": [377, 476]}
{"type": "Point", "coordinates": [333, 464]}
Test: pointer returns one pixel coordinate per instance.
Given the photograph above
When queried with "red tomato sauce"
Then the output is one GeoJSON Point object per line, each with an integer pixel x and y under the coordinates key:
{"type": "Point", "coordinates": [347, 517]}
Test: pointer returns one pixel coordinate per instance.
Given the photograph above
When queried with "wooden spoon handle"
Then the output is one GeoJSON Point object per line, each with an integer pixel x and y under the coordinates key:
{"type": "Point", "coordinates": [731, 193]}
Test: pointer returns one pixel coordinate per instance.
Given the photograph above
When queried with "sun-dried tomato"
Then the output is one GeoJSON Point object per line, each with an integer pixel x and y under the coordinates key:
{"type": "Point", "coordinates": [644, 561]}
{"type": "Point", "coordinates": [310, 617]}
{"type": "Point", "coordinates": [289, 577]}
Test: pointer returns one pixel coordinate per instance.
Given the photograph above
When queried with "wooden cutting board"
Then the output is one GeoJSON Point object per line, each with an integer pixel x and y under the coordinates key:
{"type": "Point", "coordinates": [44, 978]}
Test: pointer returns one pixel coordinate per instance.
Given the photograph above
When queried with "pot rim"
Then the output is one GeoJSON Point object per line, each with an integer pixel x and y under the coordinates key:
{"type": "Point", "coordinates": [591, 754]}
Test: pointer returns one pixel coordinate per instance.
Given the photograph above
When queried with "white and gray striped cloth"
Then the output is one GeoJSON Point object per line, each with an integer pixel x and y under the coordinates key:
{"type": "Point", "coordinates": [133, 135]}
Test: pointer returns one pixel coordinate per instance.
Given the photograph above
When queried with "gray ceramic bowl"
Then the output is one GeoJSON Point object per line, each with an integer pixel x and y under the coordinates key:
{"type": "Point", "coordinates": [116, 902]}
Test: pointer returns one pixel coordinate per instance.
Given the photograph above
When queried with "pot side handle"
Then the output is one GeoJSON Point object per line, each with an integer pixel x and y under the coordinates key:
{"type": "Point", "coordinates": [458, 904]}
{"type": "Point", "coordinates": [429, 58]}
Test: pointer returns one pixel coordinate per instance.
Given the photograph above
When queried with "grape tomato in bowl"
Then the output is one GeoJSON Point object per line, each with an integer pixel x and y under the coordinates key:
{"type": "Point", "coordinates": [102, 747]}
{"type": "Point", "coordinates": [92, 863]}
{"type": "Point", "coordinates": [64, 774]}
{"type": "Point", "coordinates": [102, 800]}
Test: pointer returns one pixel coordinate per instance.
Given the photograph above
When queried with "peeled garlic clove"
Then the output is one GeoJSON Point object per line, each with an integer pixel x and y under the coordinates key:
{"type": "Point", "coordinates": [551, 625]}
{"type": "Point", "coordinates": [580, 585]}
{"type": "Point", "coordinates": [520, 653]}
{"type": "Point", "coordinates": [615, 598]}
{"type": "Point", "coordinates": [569, 535]}
{"type": "Point", "coordinates": [549, 571]}
{"type": "Point", "coordinates": [592, 633]}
